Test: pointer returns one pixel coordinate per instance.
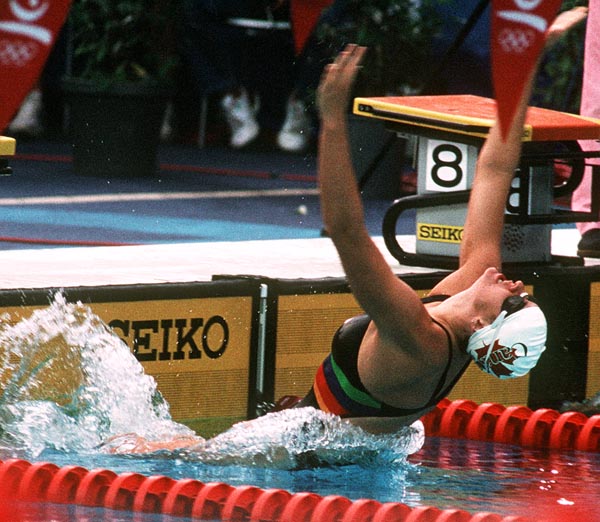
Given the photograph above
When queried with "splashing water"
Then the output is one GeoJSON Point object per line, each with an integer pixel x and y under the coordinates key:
{"type": "Point", "coordinates": [305, 438]}
{"type": "Point", "coordinates": [71, 384]}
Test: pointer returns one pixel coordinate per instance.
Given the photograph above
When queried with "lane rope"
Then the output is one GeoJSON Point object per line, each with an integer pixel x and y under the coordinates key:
{"type": "Point", "coordinates": [43, 482]}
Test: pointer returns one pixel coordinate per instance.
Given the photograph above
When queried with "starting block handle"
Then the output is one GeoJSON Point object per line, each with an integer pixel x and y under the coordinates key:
{"type": "Point", "coordinates": [572, 156]}
{"type": "Point", "coordinates": [536, 158]}
{"type": "Point", "coordinates": [441, 261]}
{"type": "Point", "coordinates": [413, 202]}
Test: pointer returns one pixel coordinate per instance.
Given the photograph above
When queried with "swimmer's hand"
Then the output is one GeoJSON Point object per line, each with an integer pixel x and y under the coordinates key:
{"type": "Point", "coordinates": [333, 95]}
{"type": "Point", "coordinates": [564, 22]}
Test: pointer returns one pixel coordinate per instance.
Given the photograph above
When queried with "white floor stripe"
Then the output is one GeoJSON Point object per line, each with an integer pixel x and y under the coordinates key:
{"type": "Point", "coordinates": [155, 196]}
{"type": "Point", "coordinates": [195, 262]}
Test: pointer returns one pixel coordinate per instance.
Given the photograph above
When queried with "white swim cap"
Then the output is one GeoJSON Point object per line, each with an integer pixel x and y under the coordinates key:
{"type": "Point", "coordinates": [511, 345]}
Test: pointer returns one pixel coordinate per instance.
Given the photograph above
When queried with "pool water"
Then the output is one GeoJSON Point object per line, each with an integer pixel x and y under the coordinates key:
{"type": "Point", "coordinates": [68, 422]}
{"type": "Point", "coordinates": [447, 473]}
{"type": "Point", "coordinates": [480, 476]}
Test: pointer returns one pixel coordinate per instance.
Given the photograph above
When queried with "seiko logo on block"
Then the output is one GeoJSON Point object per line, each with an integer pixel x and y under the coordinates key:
{"type": "Point", "coordinates": [440, 233]}
{"type": "Point", "coordinates": [175, 339]}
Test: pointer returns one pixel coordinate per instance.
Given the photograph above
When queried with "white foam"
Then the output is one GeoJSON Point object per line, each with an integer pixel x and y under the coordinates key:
{"type": "Point", "coordinates": [306, 437]}
{"type": "Point", "coordinates": [71, 383]}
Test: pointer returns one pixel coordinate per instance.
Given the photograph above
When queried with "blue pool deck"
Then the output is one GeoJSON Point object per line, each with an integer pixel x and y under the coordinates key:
{"type": "Point", "coordinates": [207, 212]}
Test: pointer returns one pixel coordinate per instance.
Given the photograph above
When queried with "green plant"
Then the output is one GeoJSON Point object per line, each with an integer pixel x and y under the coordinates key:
{"type": "Point", "coordinates": [120, 40]}
{"type": "Point", "coordinates": [398, 34]}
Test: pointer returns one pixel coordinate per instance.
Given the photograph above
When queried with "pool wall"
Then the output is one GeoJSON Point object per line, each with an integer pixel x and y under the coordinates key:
{"type": "Point", "coordinates": [219, 350]}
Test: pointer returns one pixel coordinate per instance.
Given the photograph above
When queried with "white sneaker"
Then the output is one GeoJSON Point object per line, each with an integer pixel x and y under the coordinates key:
{"type": "Point", "coordinates": [295, 132]}
{"type": "Point", "coordinates": [241, 117]}
{"type": "Point", "coordinates": [166, 128]}
{"type": "Point", "coordinates": [27, 120]}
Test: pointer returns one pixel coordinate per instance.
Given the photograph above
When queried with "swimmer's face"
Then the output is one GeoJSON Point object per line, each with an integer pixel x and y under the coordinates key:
{"type": "Point", "coordinates": [491, 291]}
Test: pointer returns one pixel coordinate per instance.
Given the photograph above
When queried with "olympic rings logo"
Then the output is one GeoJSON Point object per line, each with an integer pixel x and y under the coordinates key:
{"type": "Point", "coordinates": [17, 54]}
{"type": "Point", "coordinates": [516, 41]}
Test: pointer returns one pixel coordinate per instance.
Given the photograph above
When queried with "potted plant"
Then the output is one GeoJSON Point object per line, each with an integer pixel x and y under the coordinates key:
{"type": "Point", "coordinates": [398, 33]}
{"type": "Point", "coordinates": [117, 85]}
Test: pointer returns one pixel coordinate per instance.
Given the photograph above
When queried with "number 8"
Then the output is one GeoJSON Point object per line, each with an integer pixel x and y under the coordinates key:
{"type": "Point", "coordinates": [440, 163]}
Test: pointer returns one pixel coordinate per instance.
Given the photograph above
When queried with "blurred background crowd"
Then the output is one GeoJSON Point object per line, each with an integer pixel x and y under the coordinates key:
{"type": "Point", "coordinates": [243, 73]}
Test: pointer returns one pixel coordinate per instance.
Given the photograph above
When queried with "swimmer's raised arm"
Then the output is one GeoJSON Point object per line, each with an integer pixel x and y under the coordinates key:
{"type": "Point", "coordinates": [496, 165]}
{"type": "Point", "coordinates": [381, 294]}
{"type": "Point", "coordinates": [336, 174]}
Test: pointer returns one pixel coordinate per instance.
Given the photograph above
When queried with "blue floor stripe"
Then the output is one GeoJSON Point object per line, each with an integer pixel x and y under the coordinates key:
{"type": "Point", "coordinates": [201, 229]}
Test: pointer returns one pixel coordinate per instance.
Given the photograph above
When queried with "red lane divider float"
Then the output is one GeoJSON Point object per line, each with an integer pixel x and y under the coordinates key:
{"type": "Point", "coordinates": [544, 428]}
{"type": "Point", "coordinates": [22, 481]}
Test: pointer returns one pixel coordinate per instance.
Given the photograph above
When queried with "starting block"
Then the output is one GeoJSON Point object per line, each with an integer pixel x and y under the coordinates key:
{"type": "Point", "coordinates": [449, 132]}
{"type": "Point", "coordinates": [7, 148]}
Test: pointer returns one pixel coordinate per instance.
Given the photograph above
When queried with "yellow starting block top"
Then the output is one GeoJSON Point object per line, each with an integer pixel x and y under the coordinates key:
{"type": "Point", "coordinates": [7, 146]}
{"type": "Point", "coordinates": [473, 116]}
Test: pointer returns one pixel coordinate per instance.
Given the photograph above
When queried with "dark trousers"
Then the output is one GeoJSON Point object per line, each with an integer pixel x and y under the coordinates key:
{"type": "Point", "coordinates": [220, 57]}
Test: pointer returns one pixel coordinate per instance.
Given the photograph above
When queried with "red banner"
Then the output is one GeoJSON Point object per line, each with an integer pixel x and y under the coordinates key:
{"type": "Point", "coordinates": [28, 29]}
{"type": "Point", "coordinates": [304, 17]}
{"type": "Point", "coordinates": [518, 28]}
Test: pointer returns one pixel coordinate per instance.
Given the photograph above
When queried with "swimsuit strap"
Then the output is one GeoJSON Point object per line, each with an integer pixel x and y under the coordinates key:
{"type": "Point", "coordinates": [440, 386]}
{"type": "Point", "coordinates": [434, 298]}
{"type": "Point", "coordinates": [441, 391]}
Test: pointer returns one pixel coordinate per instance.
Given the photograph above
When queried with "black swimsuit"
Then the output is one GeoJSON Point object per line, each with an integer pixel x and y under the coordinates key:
{"type": "Point", "coordinates": [337, 387]}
